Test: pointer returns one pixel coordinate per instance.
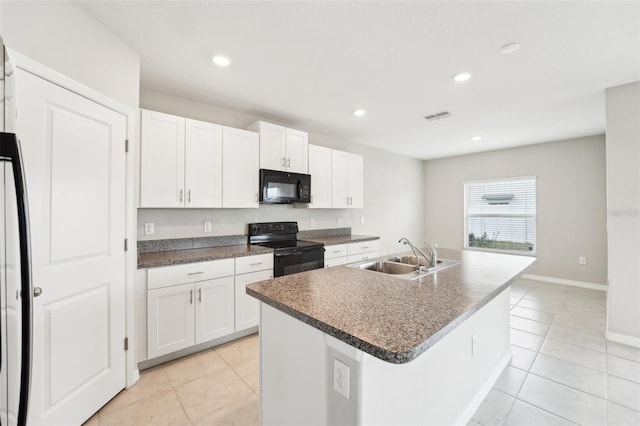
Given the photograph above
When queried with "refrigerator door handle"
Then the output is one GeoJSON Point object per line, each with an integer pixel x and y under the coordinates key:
{"type": "Point", "coordinates": [10, 150]}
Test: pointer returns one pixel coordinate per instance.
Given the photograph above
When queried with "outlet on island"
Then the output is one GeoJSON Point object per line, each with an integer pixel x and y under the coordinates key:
{"type": "Point", "coordinates": [341, 378]}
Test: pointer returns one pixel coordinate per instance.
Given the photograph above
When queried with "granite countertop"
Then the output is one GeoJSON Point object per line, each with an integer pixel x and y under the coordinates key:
{"type": "Point", "coordinates": [176, 257]}
{"type": "Point", "coordinates": [390, 318]}
{"type": "Point", "coordinates": [340, 239]}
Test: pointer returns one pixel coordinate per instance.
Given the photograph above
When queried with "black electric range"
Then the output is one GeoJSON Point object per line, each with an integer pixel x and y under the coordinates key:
{"type": "Point", "coordinates": [290, 254]}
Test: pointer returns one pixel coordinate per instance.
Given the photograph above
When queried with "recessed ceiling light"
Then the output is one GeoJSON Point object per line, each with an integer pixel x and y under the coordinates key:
{"type": "Point", "coordinates": [359, 112]}
{"type": "Point", "coordinates": [221, 61]}
{"type": "Point", "coordinates": [476, 138]}
{"type": "Point", "coordinates": [461, 77]}
{"type": "Point", "coordinates": [509, 48]}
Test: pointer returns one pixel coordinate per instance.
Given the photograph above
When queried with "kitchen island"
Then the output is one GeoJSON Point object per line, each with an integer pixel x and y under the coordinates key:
{"type": "Point", "coordinates": [349, 346]}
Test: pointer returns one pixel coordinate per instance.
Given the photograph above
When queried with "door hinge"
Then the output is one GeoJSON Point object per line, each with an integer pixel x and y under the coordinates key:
{"type": "Point", "coordinates": [126, 343]}
{"type": "Point", "coordinates": [126, 145]}
{"type": "Point", "coordinates": [126, 245]}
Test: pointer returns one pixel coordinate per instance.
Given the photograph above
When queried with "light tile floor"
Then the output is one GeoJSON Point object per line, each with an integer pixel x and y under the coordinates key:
{"type": "Point", "coordinates": [563, 372]}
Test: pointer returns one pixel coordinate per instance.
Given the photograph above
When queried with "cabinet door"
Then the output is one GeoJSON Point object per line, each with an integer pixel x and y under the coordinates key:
{"type": "Point", "coordinates": [240, 165]}
{"type": "Point", "coordinates": [161, 160]}
{"type": "Point", "coordinates": [170, 318]}
{"type": "Point", "coordinates": [356, 181]}
{"type": "Point", "coordinates": [214, 309]}
{"type": "Point", "coordinates": [320, 171]}
{"type": "Point", "coordinates": [297, 151]}
{"type": "Point", "coordinates": [247, 307]}
{"type": "Point", "coordinates": [272, 145]}
{"type": "Point", "coordinates": [339, 179]}
{"type": "Point", "coordinates": [203, 164]}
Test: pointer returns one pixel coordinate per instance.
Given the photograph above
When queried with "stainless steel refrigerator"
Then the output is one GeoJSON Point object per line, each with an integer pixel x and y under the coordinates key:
{"type": "Point", "coordinates": [15, 273]}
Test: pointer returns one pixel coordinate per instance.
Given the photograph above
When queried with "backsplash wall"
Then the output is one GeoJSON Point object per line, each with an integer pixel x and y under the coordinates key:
{"type": "Point", "coordinates": [392, 210]}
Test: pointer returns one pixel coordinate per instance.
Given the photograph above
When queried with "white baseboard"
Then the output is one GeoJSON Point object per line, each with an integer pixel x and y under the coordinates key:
{"type": "Point", "coordinates": [583, 284]}
{"type": "Point", "coordinates": [482, 393]}
{"type": "Point", "coordinates": [623, 338]}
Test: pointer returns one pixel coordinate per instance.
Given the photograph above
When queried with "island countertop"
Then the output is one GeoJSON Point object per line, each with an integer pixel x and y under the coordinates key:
{"type": "Point", "coordinates": [391, 318]}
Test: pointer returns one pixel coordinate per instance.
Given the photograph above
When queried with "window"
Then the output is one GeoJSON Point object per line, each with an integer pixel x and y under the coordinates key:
{"type": "Point", "coordinates": [500, 215]}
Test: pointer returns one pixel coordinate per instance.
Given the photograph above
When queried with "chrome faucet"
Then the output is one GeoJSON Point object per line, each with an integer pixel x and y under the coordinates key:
{"type": "Point", "coordinates": [432, 260]}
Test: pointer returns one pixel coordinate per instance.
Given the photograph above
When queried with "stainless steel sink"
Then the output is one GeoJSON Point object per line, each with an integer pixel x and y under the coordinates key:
{"type": "Point", "coordinates": [402, 266]}
{"type": "Point", "coordinates": [387, 267]}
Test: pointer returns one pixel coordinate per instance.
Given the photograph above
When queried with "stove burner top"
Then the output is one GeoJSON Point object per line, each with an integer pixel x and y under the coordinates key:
{"type": "Point", "coordinates": [295, 244]}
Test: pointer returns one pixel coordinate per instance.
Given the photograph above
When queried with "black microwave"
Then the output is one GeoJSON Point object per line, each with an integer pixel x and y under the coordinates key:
{"type": "Point", "coordinates": [278, 187]}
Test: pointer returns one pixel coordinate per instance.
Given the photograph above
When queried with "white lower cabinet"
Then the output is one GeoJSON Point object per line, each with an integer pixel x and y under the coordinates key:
{"type": "Point", "coordinates": [341, 254]}
{"type": "Point", "coordinates": [214, 308]}
{"type": "Point", "coordinates": [170, 319]}
{"type": "Point", "coordinates": [189, 304]}
{"type": "Point", "coordinates": [247, 307]}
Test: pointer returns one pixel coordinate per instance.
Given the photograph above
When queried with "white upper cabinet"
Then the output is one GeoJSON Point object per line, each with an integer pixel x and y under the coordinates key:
{"type": "Point", "coordinates": [203, 164]}
{"type": "Point", "coordinates": [282, 148]}
{"type": "Point", "coordinates": [162, 160]}
{"type": "Point", "coordinates": [181, 162]}
{"type": "Point", "coordinates": [297, 151]}
{"type": "Point", "coordinates": [240, 168]}
{"type": "Point", "coordinates": [347, 180]}
{"type": "Point", "coordinates": [356, 181]}
{"type": "Point", "coordinates": [320, 171]}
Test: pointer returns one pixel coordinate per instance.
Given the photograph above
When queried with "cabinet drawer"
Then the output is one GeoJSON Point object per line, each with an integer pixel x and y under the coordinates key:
{"type": "Point", "coordinates": [336, 261]}
{"type": "Point", "coordinates": [363, 247]}
{"type": "Point", "coordinates": [335, 251]}
{"type": "Point", "coordinates": [187, 273]}
{"type": "Point", "coordinates": [362, 256]}
{"type": "Point", "coordinates": [260, 262]}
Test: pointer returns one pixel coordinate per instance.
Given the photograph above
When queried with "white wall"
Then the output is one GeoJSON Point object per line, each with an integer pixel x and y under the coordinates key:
{"type": "Point", "coordinates": [62, 36]}
{"type": "Point", "coordinates": [571, 206]}
{"type": "Point", "coordinates": [623, 212]}
{"type": "Point", "coordinates": [393, 195]}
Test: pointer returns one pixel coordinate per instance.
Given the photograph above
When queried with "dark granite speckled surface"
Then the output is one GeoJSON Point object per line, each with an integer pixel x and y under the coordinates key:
{"type": "Point", "coordinates": [151, 246]}
{"type": "Point", "coordinates": [177, 257]}
{"type": "Point", "coordinates": [390, 318]}
{"type": "Point", "coordinates": [320, 233]}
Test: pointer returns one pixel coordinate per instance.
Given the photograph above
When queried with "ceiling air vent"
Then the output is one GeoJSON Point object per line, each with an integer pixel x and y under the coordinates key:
{"type": "Point", "coordinates": [438, 116]}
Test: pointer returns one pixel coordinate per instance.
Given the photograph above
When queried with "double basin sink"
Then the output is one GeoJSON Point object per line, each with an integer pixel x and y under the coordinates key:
{"type": "Point", "coordinates": [403, 266]}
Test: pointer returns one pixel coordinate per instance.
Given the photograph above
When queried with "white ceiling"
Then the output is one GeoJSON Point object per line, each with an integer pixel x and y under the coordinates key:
{"type": "Point", "coordinates": [309, 64]}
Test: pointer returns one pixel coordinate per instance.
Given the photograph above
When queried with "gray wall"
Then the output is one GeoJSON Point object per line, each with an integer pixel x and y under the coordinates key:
{"type": "Point", "coordinates": [623, 212]}
{"type": "Point", "coordinates": [571, 206]}
{"type": "Point", "coordinates": [63, 36]}
{"type": "Point", "coordinates": [393, 195]}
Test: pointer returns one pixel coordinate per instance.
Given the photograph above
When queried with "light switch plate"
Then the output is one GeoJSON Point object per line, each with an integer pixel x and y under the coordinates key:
{"type": "Point", "coordinates": [207, 226]}
{"type": "Point", "coordinates": [149, 228]}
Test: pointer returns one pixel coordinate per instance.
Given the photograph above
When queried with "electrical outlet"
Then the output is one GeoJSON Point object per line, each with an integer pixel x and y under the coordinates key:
{"type": "Point", "coordinates": [341, 378]}
{"type": "Point", "coordinates": [361, 220]}
{"type": "Point", "coordinates": [474, 345]}
{"type": "Point", "coordinates": [312, 222]}
{"type": "Point", "coordinates": [149, 228]}
{"type": "Point", "coordinates": [207, 226]}
{"type": "Point", "coordinates": [338, 221]}
{"type": "Point", "coordinates": [582, 260]}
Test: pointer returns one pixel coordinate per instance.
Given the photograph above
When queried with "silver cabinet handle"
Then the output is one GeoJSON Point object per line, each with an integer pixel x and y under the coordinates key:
{"type": "Point", "coordinates": [37, 291]}
{"type": "Point", "coordinates": [255, 264]}
{"type": "Point", "coordinates": [289, 162]}
{"type": "Point", "coordinates": [284, 161]}
{"type": "Point", "coordinates": [195, 273]}
{"type": "Point", "coordinates": [256, 197]}
{"type": "Point", "coordinates": [350, 201]}
{"type": "Point", "coordinates": [347, 200]}
{"type": "Point", "coordinates": [365, 247]}
{"type": "Point", "coordinates": [180, 197]}
{"type": "Point", "coordinates": [337, 251]}
{"type": "Point", "coordinates": [188, 196]}
{"type": "Point", "coordinates": [200, 295]}
{"type": "Point", "coordinates": [191, 297]}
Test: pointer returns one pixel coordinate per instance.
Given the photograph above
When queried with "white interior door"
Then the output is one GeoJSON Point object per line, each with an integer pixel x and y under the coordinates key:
{"type": "Point", "coordinates": [74, 161]}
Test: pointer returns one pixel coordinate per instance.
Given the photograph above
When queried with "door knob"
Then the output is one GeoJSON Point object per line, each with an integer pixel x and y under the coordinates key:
{"type": "Point", "coordinates": [37, 291]}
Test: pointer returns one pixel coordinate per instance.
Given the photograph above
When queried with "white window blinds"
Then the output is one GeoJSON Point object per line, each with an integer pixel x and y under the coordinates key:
{"type": "Point", "coordinates": [501, 215]}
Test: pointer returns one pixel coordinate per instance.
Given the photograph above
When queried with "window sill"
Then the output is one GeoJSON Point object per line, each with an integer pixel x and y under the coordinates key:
{"type": "Point", "coordinates": [512, 252]}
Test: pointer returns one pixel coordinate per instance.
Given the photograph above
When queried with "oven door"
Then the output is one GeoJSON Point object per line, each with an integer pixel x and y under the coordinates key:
{"type": "Point", "coordinates": [292, 262]}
